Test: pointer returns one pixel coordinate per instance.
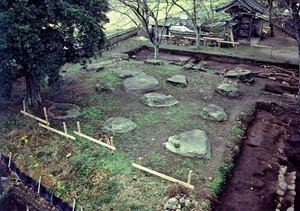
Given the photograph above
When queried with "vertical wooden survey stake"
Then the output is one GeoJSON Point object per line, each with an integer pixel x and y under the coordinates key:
{"type": "Point", "coordinates": [190, 177]}
{"type": "Point", "coordinates": [46, 116]}
{"type": "Point", "coordinates": [39, 186]}
{"type": "Point", "coordinates": [24, 106]}
{"type": "Point", "coordinates": [140, 163]}
{"type": "Point", "coordinates": [65, 129]}
{"type": "Point", "coordinates": [9, 161]}
{"type": "Point", "coordinates": [78, 127]}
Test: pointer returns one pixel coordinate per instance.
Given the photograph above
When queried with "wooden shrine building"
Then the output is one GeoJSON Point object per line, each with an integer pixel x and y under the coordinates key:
{"type": "Point", "coordinates": [244, 22]}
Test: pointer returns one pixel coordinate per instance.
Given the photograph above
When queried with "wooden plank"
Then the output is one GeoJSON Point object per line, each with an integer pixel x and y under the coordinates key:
{"type": "Point", "coordinates": [95, 140]}
{"type": "Point", "coordinates": [34, 117]}
{"type": "Point", "coordinates": [163, 176]}
{"type": "Point", "coordinates": [57, 131]}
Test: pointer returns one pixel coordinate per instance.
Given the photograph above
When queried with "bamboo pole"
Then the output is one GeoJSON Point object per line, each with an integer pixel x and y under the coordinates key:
{"type": "Point", "coordinates": [57, 131]}
{"type": "Point", "coordinates": [46, 116]}
{"type": "Point", "coordinates": [95, 140]}
{"type": "Point", "coordinates": [9, 161]}
{"type": "Point", "coordinates": [78, 127]}
{"type": "Point", "coordinates": [33, 117]}
{"type": "Point", "coordinates": [39, 187]}
{"type": "Point", "coordinates": [163, 176]}
{"type": "Point", "coordinates": [190, 177]}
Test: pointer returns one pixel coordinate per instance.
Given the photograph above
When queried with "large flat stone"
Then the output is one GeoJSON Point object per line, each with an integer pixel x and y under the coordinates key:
{"type": "Point", "coordinates": [141, 84]}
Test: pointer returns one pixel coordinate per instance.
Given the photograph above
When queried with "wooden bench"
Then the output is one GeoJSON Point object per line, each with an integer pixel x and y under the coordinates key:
{"type": "Point", "coordinates": [234, 44]}
{"type": "Point", "coordinates": [261, 46]}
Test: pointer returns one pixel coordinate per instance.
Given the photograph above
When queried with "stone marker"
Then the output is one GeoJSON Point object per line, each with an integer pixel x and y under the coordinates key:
{"type": "Point", "coordinates": [119, 125]}
{"type": "Point", "coordinates": [158, 100]}
{"type": "Point", "coordinates": [63, 111]}
{"type": "Point", "coordinates": [178, 80]}
{"type": "Point", "coordinates": [193, 143]}
{"type": "Point", "coordinates": [213, 112]}
{"type": "Point", "coordinates": [154, 62]}
{"type": "Point", "coordinates": [229, 90]}
{"type": "Point", "coordinates": [141, 84]}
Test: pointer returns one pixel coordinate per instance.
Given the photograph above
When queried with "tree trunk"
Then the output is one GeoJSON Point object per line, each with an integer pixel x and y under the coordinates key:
{"type": "Point", "coordinates": [33, 90]}
{"type": "Point", "coordinates": [271, 18]}
{"type": "Point", "coordinates": [156, 51]}
{"type": "Point", "coordinates": [197, 38]}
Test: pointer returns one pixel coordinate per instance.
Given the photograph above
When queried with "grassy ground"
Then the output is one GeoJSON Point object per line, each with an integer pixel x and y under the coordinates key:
{"type": "Point", "coordinates": [100, 179]}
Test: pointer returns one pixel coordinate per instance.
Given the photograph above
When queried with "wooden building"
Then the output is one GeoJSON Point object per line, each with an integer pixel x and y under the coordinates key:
{"type": "Point", "coordinates": [244, 22]}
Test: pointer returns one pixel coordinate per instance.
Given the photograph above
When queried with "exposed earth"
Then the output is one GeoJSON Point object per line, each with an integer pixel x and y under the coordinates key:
{"type": "Point", "coordinates": [265, 111]}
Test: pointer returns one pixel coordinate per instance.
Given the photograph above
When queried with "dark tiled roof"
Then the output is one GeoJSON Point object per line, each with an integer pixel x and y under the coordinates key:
{"type": "Point", "coordinates": [251, 5]}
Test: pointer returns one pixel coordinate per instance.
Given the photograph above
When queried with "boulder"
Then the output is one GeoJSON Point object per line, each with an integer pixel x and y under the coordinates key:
{"type": "Point", "coordinates": [129, 73]}
{"type": "Point", "coordinates": [242, 74]}
{"type": "Point", "coordinates": [141, 84]}
{"type": "Point", "coordinates": [92, 67]}
{"type": "Point", "coordinates": [154, 62]}
{"type": "Point", "coordinates": [178, 80]}
{"type": "Point", "coordinates": [193, 143]}
{"type": "Point", "coordinates": [119, 56]}
{"type": "Point", "coordinates": [199, 67]}
{"type": "Point", "coordinates": [229, 90]}
{"type": "Point", "coordinates": [63, 111]}
{"type": "Point", "coordinates": [119, 125]}
{"type": "Point", "coordinates": [213, 112]}
{"type": "Point", "coordinates": [158, 100]}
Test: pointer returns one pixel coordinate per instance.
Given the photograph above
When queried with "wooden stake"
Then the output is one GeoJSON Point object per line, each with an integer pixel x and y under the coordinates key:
{"type": "Point", "coordinates": [24, 106]}
{"type": "Point", "coordinates": [190, 177]}
{"type": "Point", "coordinates": [39, 187]}
{"type": "Point", "coordinates": [111, 141]}
{"type": "Point", "coordinates": [74, 202]}
{"type": "Point", "coordinates": [65, 129]}
{"type": "Point", "coordinates": [81, 208]}
{"type": "Point", "coordinates": [140, 163]}
{"type": "Point", "coordinates": [46, 116]}
{"type": "Point", "coordinates": [34, 117]}
{"type": "Point", "coordinates": [9, 161]}
{"type": "Point", "coordinates": [95, 140]}
{"type": "Point", "coordinates": [78, 127]}
{"type": "Point", "coordinates": [57, 131]}
{"type": "Point", "coordinates": [163, 176]}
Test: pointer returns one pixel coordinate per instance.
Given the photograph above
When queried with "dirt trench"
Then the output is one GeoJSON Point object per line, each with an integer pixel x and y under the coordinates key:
{"type": "Point", "coordinates": [272, 140]}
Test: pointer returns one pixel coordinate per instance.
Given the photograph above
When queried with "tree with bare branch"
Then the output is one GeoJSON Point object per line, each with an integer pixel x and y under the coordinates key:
{"type": "Point", "coordinates": [145, 12]}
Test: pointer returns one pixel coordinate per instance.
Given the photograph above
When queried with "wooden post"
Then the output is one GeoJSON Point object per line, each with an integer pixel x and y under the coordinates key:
{"type": "Point", "coordinates": [39, 186]}
{"type": "Point", "coordinates": [78, 127]}
{"type": "Point", "coordinates": [140, 163]}
{"type": "Point", "coordinates": [219, 44]}
{"type": "Point", "coordinates": [81, 208]}
{"type": "Point", "coordinates": [57, 131]}
{"type": "Point", "coordinates": [46, 116]}
{"type": "Point", "coordinates": [24, 106]}
{"type": "Point", "coordinates": [9, 161]}
{"type": "Point", "coordinates": [74, 203]}
{"type": "Point", "coordinates": [190, 177]}
{"type": "Point", "coordinates": [65, 129]}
